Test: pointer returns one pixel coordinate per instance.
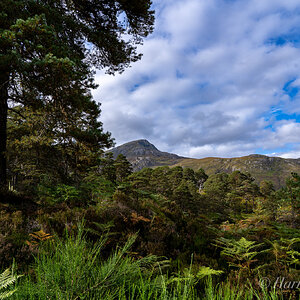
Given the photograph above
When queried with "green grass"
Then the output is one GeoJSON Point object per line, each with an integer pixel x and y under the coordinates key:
{"type": "Point", "coordinates": [73, 268]}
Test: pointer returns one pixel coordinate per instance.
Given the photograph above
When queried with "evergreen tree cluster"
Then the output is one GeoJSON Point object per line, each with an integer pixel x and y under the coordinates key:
{"type": "Point", "coordinates": [49, 50]}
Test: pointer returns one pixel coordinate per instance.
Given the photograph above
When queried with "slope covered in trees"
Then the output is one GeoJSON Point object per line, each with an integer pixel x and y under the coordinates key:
{"type": "Point", "coordinates": [142, 154]}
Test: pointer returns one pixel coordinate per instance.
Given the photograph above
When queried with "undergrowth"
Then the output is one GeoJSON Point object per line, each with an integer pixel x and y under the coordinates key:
{"type": "Point", "coordinates": [73, 268]}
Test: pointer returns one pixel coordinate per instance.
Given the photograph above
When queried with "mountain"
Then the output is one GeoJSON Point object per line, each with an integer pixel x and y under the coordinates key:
{"type": "Point", "coordinates": [142, 154]}
{"type": "Point", "coordinates": [261, 167]}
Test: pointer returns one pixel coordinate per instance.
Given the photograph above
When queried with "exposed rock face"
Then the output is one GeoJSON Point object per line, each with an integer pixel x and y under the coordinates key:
{"type": "Point", "coordinates": [142, 153]}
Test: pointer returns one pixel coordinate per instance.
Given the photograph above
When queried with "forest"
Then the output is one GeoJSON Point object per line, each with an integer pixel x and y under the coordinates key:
{"type": "Point", "coordinates": [77, 223]}
{"type": "Point", "coordinates": [163, 233]}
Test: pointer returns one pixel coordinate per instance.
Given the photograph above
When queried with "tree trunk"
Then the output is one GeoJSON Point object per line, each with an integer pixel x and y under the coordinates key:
{"type": "Point", "coordinates": [4, 77]}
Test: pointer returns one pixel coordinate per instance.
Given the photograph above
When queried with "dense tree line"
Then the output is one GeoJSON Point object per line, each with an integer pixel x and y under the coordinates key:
{"type": "Point", "coordinates": [218, 224]}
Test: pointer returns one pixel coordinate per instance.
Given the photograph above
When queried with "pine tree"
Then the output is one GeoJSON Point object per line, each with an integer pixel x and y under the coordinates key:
{"type": "Point", "coordinates": [175, 177]}
{"type": "Point", "coordinates": [107, 167]}
{"type": "Point", "coordinates": [189, 174]}
{"type": "Point", "coordinates": [159, 182]}
{"type": "Point", "coordinates": [48, 143]}
{"type": "Point", "coordinates": [183, 197]}
{"type": "Point", "coordinates": [244, 187]}
{"type": "Point", "coordinates": [123, 168]}
{"type": "Point", "coordinates": [292, 194]}
{"type": "Point", "coordinates": [269, 199]}
{"type": "Point", "coordinates": [48, 49]}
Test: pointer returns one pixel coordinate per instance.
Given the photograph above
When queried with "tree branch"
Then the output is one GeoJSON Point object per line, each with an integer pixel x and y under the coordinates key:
{"type": "Point", "coordinates": [17, 112]}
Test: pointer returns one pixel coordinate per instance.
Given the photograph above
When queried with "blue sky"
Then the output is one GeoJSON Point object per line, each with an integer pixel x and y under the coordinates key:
{"type": "Point", "coordinates": [217, 78]}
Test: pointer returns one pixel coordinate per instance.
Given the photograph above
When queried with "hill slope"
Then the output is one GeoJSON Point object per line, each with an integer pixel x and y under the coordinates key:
{"type": "Point", "coordinates": [142, 154]}
{"type": "Point", "coordinates": [261, 167]}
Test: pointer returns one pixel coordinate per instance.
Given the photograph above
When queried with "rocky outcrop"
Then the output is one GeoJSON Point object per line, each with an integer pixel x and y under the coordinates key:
{"type": "Point", "coordinates": [142, 153]}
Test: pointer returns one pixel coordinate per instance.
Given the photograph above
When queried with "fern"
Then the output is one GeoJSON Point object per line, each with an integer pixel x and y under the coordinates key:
{"type": "Point", "coordinates": [207, 271]}
{"type": "Point", "coordinates": [101, 229]}
{"type": "Point", "coordinates": [241, 253]}
{"type": "Point", "coordinates": [37, 237]}
{"type": "Point", "coordinates": [7, 279]}
{"type": "Point", "coordinates": [284, 252]}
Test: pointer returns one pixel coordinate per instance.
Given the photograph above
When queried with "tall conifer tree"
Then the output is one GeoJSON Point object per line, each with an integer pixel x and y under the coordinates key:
{"type": "Point", "coordinates": [49, 47]}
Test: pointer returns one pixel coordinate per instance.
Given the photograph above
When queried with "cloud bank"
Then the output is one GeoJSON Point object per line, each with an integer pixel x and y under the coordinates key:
{"type": "Point", "coordinates": [217, 78]}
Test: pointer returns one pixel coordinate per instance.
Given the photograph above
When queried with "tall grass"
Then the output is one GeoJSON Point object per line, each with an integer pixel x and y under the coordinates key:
{"type": "Point", "coordinates": [73, 269]}
{"type": "Point", "coordinates": [227, 291]}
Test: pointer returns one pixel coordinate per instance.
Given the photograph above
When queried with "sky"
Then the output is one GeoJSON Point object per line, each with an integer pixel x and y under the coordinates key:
{"type": "Point", "coordinates": [217, 78]}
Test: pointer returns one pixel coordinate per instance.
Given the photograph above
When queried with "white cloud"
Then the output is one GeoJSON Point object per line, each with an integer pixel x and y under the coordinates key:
{"type": "Point", "coordinates": [211, 80]}
{"type": "Point", "coordinates": [292, 154]}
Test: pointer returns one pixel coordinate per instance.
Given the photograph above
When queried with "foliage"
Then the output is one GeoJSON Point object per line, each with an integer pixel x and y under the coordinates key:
{"type": "Point", "coordinates": [97, 187]}
{"type": "Point", "coordinates": [292, 194]}
{"type": "Point", "coordinates": [37, 237]}
{"type": "Point", "coordinates": [48, 145]}
{"type": "Point", "coordinates": [60, 174]}
{"type": "Point", "coordinates": [123, 168]}
{"type": "Point", "coordinates": [241, 253]}
{"type": "Point", "coordinates": [57, 194]}
{"type": "Point", "coordinates": [174, 220]}
{"type": "Point", "coordinates": [284, 251]}
{"type": "Point", "coordinates": [207, 271]}
{"type": "Point", "coordinates": [216, 187]}
{"type": "Point", "coordinates": [269, 198]}
{"type": "Point", "coordinates": [228, 291]}
{"type": "Point", "coordinates": [7, 279]}
{"type": "Point", "coordinates": [48, 50]}
{"type": "Point", "coordinates": [73, 268]}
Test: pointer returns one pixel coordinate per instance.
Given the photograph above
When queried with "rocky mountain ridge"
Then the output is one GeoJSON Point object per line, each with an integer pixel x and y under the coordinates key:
{"type": "Point", "coordinates": [142, 153]}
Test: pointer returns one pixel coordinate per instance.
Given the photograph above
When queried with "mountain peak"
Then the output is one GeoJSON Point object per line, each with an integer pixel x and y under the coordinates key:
{"type": "Point", "coordinates": [141, 153]}
{"type": "Point", "coordinates": [140, 147]}
{"type": "Point", "coordinates": [143, 143]}
{"type": "Point", "coordinates": [257, 155]}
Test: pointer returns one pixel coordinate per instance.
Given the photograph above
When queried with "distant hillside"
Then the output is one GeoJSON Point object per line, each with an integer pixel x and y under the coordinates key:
{"type": "Point", "coordinates": [142, 154]}
{"type": "Point", "coordinates": [261, 167]}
